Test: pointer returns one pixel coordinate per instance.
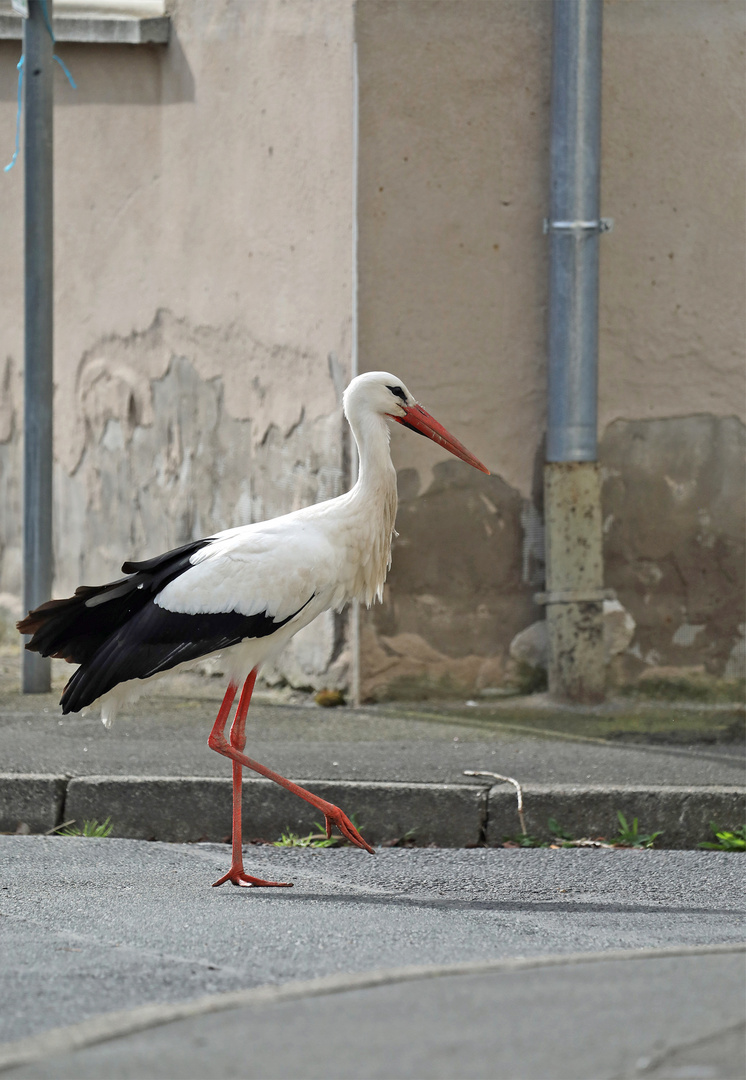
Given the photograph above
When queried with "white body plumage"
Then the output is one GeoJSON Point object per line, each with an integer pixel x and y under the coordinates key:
{"type": "Point", "coordinates": [242, 592]}
{"type": "Point", "coordinates": [300, 564]}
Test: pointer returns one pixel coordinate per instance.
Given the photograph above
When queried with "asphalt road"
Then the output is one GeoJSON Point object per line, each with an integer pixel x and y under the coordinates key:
{"type": "Point", "coordinates": [675, 1016]}
{"type": "Point", "coordinates": [90, 926]}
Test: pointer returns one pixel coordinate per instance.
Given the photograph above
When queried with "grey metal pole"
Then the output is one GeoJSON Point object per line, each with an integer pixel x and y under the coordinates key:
{"type": "Point", "coordinates": [39, 322]}
{"type": "Point", "coordinates": [574, 595]}
{"type": "Point", "coordinates": [573, 227]}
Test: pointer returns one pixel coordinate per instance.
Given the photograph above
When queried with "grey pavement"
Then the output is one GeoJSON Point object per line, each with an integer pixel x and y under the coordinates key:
{"type": "Point", "coordinates": [642, 1016]}
{"type": "Point", "coordinates": [167, 736]}
{"type": "Point", "coordinates": [92, 926]}
{"type": "Point", "coordinates": [398, 768]}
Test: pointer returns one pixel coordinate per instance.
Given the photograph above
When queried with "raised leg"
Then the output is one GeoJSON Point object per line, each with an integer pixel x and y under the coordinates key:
{"type": "Point", "coordinates": [218, 742]}
{"type": "Point", "coordinates": [237, 875]}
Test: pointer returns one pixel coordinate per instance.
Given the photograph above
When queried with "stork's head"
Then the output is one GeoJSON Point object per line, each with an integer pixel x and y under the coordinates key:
{"type": "Point", "coordinates": [384, 394]}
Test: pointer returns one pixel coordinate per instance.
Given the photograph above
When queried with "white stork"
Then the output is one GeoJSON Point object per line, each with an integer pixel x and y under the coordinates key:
{"type": "Point", "coordinates": [243, 592]}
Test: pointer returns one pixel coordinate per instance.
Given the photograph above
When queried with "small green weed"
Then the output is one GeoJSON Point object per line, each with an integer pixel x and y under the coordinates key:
{"type": "Point", "coordinates": [726, 839]}
{"type": "Point", "coordinates": [557, 831]}
{"type": "Point", "coordinates": [313, 840]}
{"type": "Point", "coordinates": [90, 828]}
{"type": "Point", "coordinates": [524, 840]}
{"type": "Point", "coordinates": [630, 836]}
{"type": "Point", "coordinates": [407, 841]}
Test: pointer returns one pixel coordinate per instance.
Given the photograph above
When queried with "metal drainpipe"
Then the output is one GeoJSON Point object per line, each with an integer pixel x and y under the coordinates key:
{"type": "Point", "coordinates": [37, 408]}
{"type": "Point", "coordinates": [572, 499]}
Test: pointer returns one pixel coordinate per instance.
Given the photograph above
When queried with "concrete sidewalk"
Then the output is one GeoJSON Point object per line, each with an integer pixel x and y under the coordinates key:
{"type": "Point", "coordinates": [399, 769]}
{"type": "Point", "coordinates": [551, 964]}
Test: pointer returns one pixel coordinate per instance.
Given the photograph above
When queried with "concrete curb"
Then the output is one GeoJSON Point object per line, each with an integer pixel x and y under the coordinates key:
{"type": "Point", "coordinates": [184, 809]}
{"type": "Point", "coordinates": [683, 814]}
{"type": "Point", "coordinates": [193, 808]}
{"type": "Point", "coordinates": [34, 798]}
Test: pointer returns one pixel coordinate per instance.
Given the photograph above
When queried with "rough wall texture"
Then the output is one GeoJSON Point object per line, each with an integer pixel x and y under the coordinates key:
{"type": "Point", "coordinates": [204, 202]}
{"type": "Point", "coordinates": [459, 590]}
{"type": "Point", "coordinates": [164, 461]}
{"type": "Point", "coordinates": [204, 277]}
{"type": "Point", "coordinates": [674, 509]}
{"type": "Point", "coordinates": [454, 126]}
{"type": "Point", "coordinates": [469, 559]}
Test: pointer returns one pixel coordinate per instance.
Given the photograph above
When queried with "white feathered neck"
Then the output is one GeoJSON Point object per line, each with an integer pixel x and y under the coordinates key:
{"type": "Point", "coordinates": [371, 503]}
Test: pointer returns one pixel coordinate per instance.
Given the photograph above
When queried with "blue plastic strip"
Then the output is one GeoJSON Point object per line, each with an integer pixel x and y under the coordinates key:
{"type": "Point", "coordinates": [62, 64]}
{"type": "Point", "coordinates": [64, 68]}
{"type": "Point", "coordinates": [45, 13]}
{"type": "Point", "coordinates": [12, 161]}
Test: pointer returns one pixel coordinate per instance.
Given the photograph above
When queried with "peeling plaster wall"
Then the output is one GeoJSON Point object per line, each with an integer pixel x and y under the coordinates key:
{"type": "Point", "coordinates": [674, 505]}
{"type": "Point", "coordinates": [469, 558]}
{"type": "Point", "coordinates": [204, 297]}
{"type": "Point", "coordinates": [454, 130]}
{"type": "Point", "coordinates": [454, 175]}
{"type": "Point", "coordinates": [461, 587]}
{"type": "Point", "coordinates": [163, 461]}
{"type": "Point", "coordinates": [203, 277]}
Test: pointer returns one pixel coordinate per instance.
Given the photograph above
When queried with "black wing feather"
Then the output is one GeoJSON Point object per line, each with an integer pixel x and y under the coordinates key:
{"type": "Point", "coordinates": [155, 640]}
{"type": "Point", "coordinates": [74, 629]}
{"type": "Point", "coordinates": [162, 562]}
{"type": "Point", "coordinates": [116, 632]}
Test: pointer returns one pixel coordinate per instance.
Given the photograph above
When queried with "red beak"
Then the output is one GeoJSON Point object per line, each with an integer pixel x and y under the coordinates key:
{"type": "Point", "coordinates": [417, 419]}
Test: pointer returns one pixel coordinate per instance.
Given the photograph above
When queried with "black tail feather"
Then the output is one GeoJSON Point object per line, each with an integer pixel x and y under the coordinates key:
{"type": "Point", "coordinates": [74, 629]}
{"type": "Point", "coordinates": [117, 632]}
{"type": "Point", "coordinates": [155, 640]}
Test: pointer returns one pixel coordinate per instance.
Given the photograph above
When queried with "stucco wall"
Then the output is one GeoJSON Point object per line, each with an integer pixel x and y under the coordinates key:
{"type": "Point", "coordinates": [203, 199]}
{"type": "Point", "coordinates": [204, 307]}
{"type": "Point", "coordinates": [454, 122]}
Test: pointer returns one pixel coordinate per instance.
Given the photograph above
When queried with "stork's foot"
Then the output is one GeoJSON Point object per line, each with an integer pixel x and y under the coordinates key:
{"type": "Point", "coordinates": [334, 816]}
{"type": "Point", "coordinates": [237, 876]}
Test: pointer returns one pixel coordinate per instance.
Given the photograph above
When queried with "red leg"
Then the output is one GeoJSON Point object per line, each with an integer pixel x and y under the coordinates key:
{"type": "Point", "coordinates": [217, 741]}
{"type": "Point", "coordinates": [236, 875]}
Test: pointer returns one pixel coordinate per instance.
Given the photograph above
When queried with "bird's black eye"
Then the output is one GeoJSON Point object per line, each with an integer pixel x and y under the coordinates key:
{"type": "Point", "coordinates": [398, 392]}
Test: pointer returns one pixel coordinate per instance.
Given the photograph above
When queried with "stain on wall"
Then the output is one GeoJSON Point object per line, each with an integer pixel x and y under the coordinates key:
{"type": "Point", "coordinates": [164, 461]}
{"type": "Point", "coordinates": [459, 590]}
{"type": "Point", "coordinates": [673, 495]}
{"type": "Point", "coordinates": [453, 187]}
{"type": "Point", "coordinates": [469, 558]}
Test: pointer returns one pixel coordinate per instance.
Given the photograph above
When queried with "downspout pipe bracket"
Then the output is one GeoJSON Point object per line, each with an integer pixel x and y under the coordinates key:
{"type": "Point", "coordinates": [602, 225]}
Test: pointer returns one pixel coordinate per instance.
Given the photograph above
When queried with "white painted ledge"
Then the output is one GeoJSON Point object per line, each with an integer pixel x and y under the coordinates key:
{"type": "Point", "coordinates": [97, 29]}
